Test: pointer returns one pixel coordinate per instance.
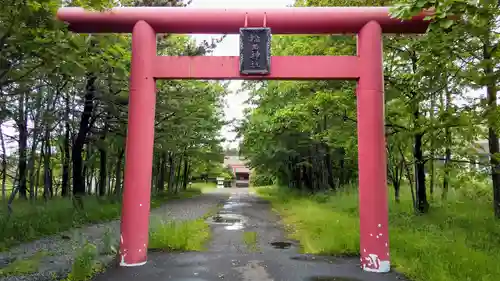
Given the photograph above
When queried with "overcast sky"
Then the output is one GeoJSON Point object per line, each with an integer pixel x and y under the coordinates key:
{"type": "Point", "coordinates": [230, 47]}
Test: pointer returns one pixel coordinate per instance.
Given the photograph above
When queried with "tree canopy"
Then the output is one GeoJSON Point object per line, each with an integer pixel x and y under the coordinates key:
{"type": "Point", "coordinates": [64, 102]}
{"type": "Point", "coordinates": [303, 134]}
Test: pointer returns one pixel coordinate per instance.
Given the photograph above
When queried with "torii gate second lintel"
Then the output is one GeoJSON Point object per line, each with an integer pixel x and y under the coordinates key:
{"type": "Point", "coordinates": [145, 22]}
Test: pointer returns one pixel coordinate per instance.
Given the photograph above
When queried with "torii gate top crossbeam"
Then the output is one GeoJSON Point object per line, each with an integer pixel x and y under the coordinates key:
{"type": "Point", "coordinates": [292, 20]}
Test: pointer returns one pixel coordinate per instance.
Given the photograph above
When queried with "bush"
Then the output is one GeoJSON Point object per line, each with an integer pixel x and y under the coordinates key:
{"type": "Point", "coordinates": [85, 265]}
{"type": "Point", "coordinates": [472, 186]}
{"type": "Point", "coordinates": [226, 174]}
{"type": "Point", "coordinates": [258, 179]}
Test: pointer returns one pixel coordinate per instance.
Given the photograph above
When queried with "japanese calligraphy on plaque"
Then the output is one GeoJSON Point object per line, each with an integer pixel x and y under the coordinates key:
{"type": "Point", "coordinates": [255, 50]}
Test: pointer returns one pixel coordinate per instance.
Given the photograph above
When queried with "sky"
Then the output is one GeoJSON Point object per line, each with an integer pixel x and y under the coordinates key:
{"type": "Point", "coordinates": [230, 47]}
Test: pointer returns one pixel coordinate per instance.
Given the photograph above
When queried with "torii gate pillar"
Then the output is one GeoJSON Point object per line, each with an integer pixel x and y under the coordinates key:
{"type": "Point", "coordinates": [139, 148]}
{"type": "Point", "coordinates": [373, 205]}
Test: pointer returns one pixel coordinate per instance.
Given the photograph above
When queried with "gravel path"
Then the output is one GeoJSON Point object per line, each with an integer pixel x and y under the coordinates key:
{"type": "Point", "coordinates": [248, 244]}
{"type": "Point", "coordinates": [60, 249]}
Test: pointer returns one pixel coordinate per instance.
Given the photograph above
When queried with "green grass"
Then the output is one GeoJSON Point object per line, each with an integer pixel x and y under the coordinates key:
{"type": "Point", "coordinates": [250, 240]}
{"type": "Point", "coordinates": [23, 266]}
{"type": "Point", "coordinates": [204, 186]}
{"type": "Point", "coordinates": [190, 235]}
{"type": "Point", "coordinates": [86, 264]}
{"type": "Point", "coordinates": [30, 221]}
{"type": "Point", "coordinates": [458, 240]}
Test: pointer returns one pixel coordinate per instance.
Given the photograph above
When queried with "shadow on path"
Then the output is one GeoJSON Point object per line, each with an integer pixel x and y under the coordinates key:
{"type": "Point", "coordinates": [247, 244]}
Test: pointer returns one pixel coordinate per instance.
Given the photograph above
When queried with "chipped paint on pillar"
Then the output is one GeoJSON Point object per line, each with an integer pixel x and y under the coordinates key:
{"type": "Point", "coordinates": [372, 263]}
{"type": "Point", "coordinates": [123, 253]}
{"type": "Point", "coordinates": [376, 258]}
{"type": "Point", "coordinates": [122, 260]}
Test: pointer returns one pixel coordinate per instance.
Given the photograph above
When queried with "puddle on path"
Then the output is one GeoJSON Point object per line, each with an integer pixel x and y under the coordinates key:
{"type": "Point", "coordinates": [281, 245]}
{"type": "Point", "coordinates": [226, 218]}
{"type": "Point", "coordinates": [230, 221]}
{"type": "Point", "coordinates": [235, 226]}
{"type": "Point", "coordinates": [234, 204]}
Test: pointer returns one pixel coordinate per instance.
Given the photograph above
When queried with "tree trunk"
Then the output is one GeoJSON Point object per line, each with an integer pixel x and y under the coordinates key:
{"type": "Point", "coordinates": [162, 163]}
{"type": "Point", "coordinates": [76, 155]}
{"type": "Point", "coordinates": [88, 172]}
{"type": "Point", "coordinates": [23, 143]}
{"type": "Point", "coordinates": [342, 172]}
{"type": "Point", "coordinates": [397, 187]}
{"type": "Point", "coordinates": [492, 117]}
{"type": "Point", "coordinates": [447, 163]}
{"type": "Point", "coordinates": [37, 174]}
{"type": "Point", "coordinates": [47, 170]}
{"type": "Point", "coordinates": [34, 144]}
{"type": "Point", "coordinates": [155, 170]}
{"type": "Point", "coordinates": [171, 174]}
{"type": "Point", "coordinates": [307, 177]}
{"type": "Point", "coordinates": [395, 171]}
{"type": "Point", "coordinates": [297, 175]}
{"type": "Point", "coordinates": [495, 169]}
{"type": "Point", "coordinates": [422, 204]}
{"type": "Point", "coordinates": [118, 173]}
{"type": "Point", "coordinates": [32, 160]}
{"type": "Point", "coordinates": [329, 166]}
{"type": "Point", "coordinates": [185, 174]}
{"type": "Point", "coordinates": [102, 171]}
{"type": "Point", "coordinates": [432, 152]}
{"type": "Point", "coordinates": [408, 175]}
{"type": "Point", "coordinates": [85, 170]}
{"type": "Point", "coordinates": [4, 165]}
{"type": "Point", "coordinates": [178, 174]}
{"type": "Point", "coordinates": [66, 150]}
{"type": "Point", "coordinates": [448, 144]}
{"type": "Point", "coordinates": [111, 181]}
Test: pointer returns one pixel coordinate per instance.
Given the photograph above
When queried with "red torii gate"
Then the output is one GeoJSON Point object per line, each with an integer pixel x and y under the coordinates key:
{"type": "Point", "coordinates": [145, 22]}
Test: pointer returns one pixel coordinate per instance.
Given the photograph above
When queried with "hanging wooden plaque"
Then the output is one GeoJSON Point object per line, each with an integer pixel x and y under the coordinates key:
{"type": "Point", "coordinates": [255, 50]}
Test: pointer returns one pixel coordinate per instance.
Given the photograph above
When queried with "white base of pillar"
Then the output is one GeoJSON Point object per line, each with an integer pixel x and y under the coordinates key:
{"type": "Point", "coordinates": [123, 263]}
{"type": "Point", "coordinates": [384, 267]}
